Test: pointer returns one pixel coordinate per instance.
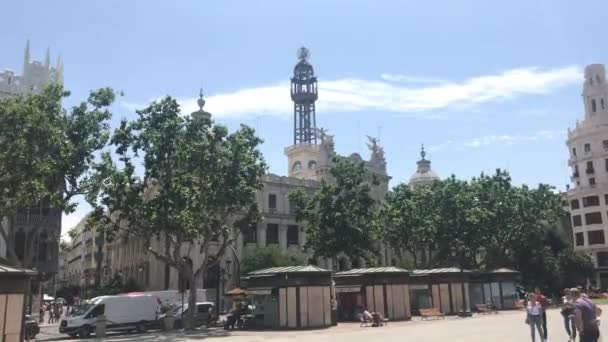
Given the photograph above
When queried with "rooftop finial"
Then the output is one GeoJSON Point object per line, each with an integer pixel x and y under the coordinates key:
{"type": "Point", "coordinates": [422, 153]}
{"type": "Point", "coordinates": [303, 54]}
{"type": "Point", "coordinates": [201, 101]}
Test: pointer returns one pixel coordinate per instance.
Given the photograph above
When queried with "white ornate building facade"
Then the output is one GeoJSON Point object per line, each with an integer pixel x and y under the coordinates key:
{"type": "Point", "coordinates": [309, 159]}
{"type": "Point", "coordinates": [588, 198]}
{"type": "Point", "coordinates": [35, 76]}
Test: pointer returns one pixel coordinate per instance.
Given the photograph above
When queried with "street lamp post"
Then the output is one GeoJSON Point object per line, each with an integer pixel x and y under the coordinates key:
{"type": "Point", "coordinates": [221, 272]}
{"type": "Point", "coordinates": [458, 257]}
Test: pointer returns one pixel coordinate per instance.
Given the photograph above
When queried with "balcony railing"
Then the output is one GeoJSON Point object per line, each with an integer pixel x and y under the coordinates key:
{"type": "Point", "coordinates": [589, 171]}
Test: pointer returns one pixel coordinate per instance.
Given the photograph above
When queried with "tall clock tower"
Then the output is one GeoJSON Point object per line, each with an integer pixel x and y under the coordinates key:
{"type": "Point", "coordinates": [303, 155]}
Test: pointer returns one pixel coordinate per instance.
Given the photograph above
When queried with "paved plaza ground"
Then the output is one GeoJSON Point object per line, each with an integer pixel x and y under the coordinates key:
{"type": "Point", "coordinates": [507, 326]}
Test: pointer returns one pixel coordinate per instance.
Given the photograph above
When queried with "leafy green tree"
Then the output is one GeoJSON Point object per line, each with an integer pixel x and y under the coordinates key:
{"type": "Point", "coordinates": [269, 256]}
{"type": "Point", "coordinates": [340, 214]}
{"type": "Point", "coordinates": [46, 154]}
{"type": "Point", "coordinates": [511, 215]}
{"type": "Point", "coordinates": [197, 177]}
{"type": "Point", "coordinates": [459, 236]}
{"type": "Point", "coordinates": [407, 221]}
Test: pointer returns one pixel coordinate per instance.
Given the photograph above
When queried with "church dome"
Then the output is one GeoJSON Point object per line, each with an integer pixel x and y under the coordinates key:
{"type": "Point", "coordinates": [424, 174]}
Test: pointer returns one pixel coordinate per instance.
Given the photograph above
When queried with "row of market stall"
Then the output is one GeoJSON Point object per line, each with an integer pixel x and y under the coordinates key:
{"type": "Point", "coordinates": [300, 297]}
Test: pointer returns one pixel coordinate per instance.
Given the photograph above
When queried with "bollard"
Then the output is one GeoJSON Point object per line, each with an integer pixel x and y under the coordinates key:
{"type": "Point", "coordinates": [100, 326]}
{"type": "Point", "coordinates": [169, 320]}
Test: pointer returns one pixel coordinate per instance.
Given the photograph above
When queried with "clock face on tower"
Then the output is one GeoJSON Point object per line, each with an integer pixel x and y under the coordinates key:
{"type": "Point", "coordinates": [303, 54]}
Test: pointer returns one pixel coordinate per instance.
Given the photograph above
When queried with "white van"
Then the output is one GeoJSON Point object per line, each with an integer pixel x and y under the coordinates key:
{"type": "Point", "coordinates": [133, 312]}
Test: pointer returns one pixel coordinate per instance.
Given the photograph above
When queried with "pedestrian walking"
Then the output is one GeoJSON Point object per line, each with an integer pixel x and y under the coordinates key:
{"type": "Point", "coordinates": [41, 318]}
{"type": "Point", "coordinates": [544, 302]}
{"type": "Point", "coordinates": [51, 314]}
{"type": "Point", "coordinates": [585, 316]}
{"type": "Point", "coordinates": [534, 317]}
{"type": "Point", "coordinates": [568, 313]}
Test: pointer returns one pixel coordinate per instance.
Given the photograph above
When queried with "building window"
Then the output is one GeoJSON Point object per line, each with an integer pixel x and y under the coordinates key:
{"type": "Point", "coordinates": [602, 103]}
{"type": "Point", "coordinates": [605, 144]}
{"type": "Point", "coordinates": [272, 202]}
{"type": "Point", "coordinates": [272, 234]}
{"type": "Point", "coordinates": [591, 201]}
{"type": "Point", "coordinates": [293, 235]}
{"type": "Point", "coordinates": [577, 221]}
{"type": "Point", "coordinates": [292, 208]}
{"type": "Point", "coordinates": [574, 151]}
{"type": "Point", "coordinates": [251, 234]}
{"type": "Point", "coordinates": [595, 237]}
{"type": "Point", "coordinates": [575, 174]}
{"type": "Point", "coordinates": [591, 181]}
{"type": "Point", "coordinates": [574, 204]}
{"type": "Point", "coordinates": [312, 164]}
{"type": "Point", "coordinates": [580, 239]}
{"type": "Point", "coordinates": [606, 164]}
{"type": "Point", "coordinates": [606, 199]}
{"type": "Point", "coordinates": [597, 78]}
{"type": "Point", "coordinates": [593, 218]}
{"type": "Point", "coordinates": [297, 166]}
{"type": "Point", "coordinates": [602, 259]}
{"type": "Point", "coordinates": [589, 169]}
{"type": "Point", "coordinates": [593, 106]}
{"type": "Point", "coordinates": [587, 148]}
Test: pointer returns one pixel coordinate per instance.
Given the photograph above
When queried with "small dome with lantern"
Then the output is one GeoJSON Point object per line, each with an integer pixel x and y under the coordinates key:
{"type": "Point", "coordinates": [424, 174]}
{"type": "Point", "coordinates": [200, 113]}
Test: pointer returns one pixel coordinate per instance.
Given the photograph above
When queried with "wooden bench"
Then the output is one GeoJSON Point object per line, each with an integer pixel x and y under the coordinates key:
{"type": "Point", "coordinates": [432, 312]}
{"type": "Point", "coordinates": [485, 309]}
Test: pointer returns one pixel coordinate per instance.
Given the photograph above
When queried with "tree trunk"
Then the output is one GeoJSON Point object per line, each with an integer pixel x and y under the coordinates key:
{"type": "Point", "coordinates": [189, 323]}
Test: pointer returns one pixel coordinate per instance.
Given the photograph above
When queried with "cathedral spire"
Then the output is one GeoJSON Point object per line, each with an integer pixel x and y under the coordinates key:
{"type": "Point", "coordinates": [26, 57]}
{"type": "Point", "coordinates": [47, 58]}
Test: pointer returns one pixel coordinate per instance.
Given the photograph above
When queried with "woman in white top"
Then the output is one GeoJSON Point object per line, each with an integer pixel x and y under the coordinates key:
{"type": "Point", "coordinates": [534, 316]}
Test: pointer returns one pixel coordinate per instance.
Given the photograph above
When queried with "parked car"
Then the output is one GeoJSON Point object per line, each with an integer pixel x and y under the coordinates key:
{"type": "Point", "coordinates": [204, 315]}
{"type": "Point", "coordinates": [136, 312]}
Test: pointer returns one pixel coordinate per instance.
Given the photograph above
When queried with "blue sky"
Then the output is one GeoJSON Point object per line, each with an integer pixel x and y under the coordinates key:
{"type": "Point", "coordinates": [483, 84]}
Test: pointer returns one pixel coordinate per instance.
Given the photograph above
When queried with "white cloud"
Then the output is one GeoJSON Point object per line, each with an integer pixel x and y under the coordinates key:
{"type": "Point", "coordinates": [410, 79]}
{"type": "Point", "coordinates": [499, 139]}
{"type": "Point", "coordinates": [354, 94]}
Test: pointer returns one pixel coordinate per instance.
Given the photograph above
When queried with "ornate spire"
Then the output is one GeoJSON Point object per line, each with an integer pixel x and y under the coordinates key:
{"type": "Point", "coordinates": [27, 52]}
{"type": "Point", "coordinates": [200, 113]}
{"type": "Point", "coordinates": [424, 174]}
{"type": "Point", "coordinates": [47, 58]}
{"type": "Point", "coordinates": [59, 69]}
{"type": "Point", "coordinates": [304, 94]}
{"type": "Point", "coordinates": [201, 101]}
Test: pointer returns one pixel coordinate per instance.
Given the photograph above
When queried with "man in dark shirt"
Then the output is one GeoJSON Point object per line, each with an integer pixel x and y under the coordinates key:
{"type": "Point", "coordinates": [545, 304]}
{"type": "Point", "coordinates": [585, 313]}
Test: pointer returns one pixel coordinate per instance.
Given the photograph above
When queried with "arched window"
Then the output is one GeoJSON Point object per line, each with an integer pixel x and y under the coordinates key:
{"type": "Point", "coordinates": [590, 80]}
{"type": "Point", "coordinates": [297, 166]}
{"type": "Point", "coordinates": [598, 79]}
{"type": "Point", "coordinates": [593, 106]}
{"type": "Point", "coordinates": [312, 164]}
